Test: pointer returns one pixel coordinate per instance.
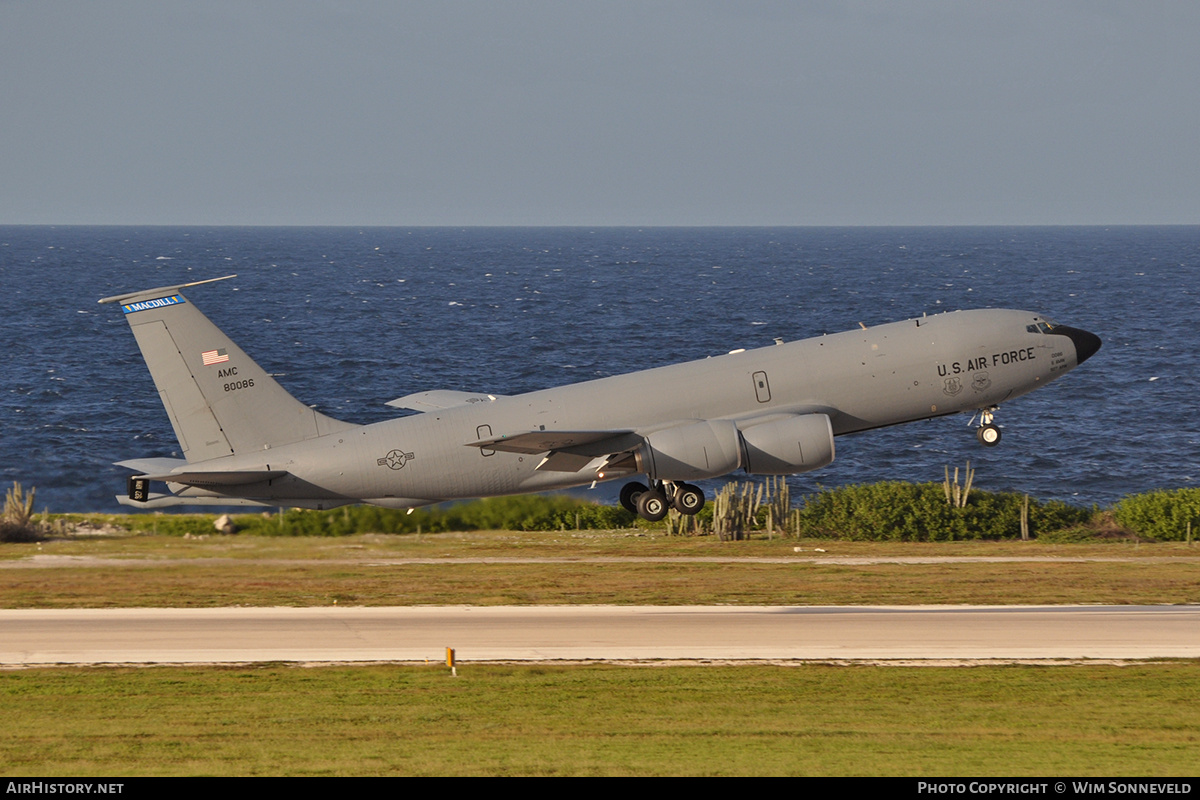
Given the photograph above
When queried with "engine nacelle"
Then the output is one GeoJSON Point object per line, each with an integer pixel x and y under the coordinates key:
{"type": "Point", "coordinates": [706, 449]}
{"type": "Point", "coordinates": [788, 446]}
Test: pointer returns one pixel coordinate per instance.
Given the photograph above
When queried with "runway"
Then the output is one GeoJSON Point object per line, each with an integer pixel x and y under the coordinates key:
{"type": "Point", "coordinates": [548, 633]}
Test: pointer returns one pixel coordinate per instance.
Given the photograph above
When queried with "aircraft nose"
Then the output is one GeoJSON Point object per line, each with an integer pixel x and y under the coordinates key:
{"type": "Point", "coordinates": [1086, 343]}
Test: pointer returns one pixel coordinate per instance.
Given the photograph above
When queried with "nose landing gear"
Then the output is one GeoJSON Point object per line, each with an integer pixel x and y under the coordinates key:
{"type": "Point", "coordinates": [988, 433]}
{"type": "Point", "coordinates": [652, 504]}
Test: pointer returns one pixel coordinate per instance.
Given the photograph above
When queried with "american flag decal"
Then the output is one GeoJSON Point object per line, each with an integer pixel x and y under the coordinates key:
{"type": "Point", "coordinates": [210, 357]}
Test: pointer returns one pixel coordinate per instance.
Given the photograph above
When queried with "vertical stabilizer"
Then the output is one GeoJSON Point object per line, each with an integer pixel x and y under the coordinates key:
{"type": "Point", "coordinates": [219, 400]}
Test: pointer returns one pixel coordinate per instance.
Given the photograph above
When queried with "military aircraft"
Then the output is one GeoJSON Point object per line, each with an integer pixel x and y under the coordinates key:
{"type": "Point", "coordinates": [769, 411]}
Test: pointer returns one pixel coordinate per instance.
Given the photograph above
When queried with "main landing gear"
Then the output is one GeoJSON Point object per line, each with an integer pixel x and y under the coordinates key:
{"type": "Point", "coordinates": [652, 504]}
{"type": "Point", "coordinates": [988, 433]}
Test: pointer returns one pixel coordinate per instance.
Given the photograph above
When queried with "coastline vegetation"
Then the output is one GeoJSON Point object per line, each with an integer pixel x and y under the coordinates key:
{"type": "Point", "coordinates": [887, 511]}
{"type": "Point", "coordinates": [879, 544]}
{"type": "Point", "coordinates": [17, 523]}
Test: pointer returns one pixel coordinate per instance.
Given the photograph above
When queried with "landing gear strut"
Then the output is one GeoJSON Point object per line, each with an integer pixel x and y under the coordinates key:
{"type": "Point", "coordinates": [988, 433]}
{"type": "Point", "coordinates": [652, 504]}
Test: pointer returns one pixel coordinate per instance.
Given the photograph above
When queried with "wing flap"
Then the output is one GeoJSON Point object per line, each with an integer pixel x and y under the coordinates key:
{"type": "Point", "coordinates": [565, 451]}
{"type": "Point", "coordinates": [562, 461]}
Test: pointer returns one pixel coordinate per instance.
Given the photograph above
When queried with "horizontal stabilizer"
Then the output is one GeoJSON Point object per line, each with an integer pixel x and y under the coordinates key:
{"type": "Point", "coordinates": [217, 478]}
{"type": "Point", "coordinates": [581, 443]}
{"type": "Point", "coordinates": [439, 399]}
{"type": "Point", "coordinates": [168, 500]}
{"type": "Point", "coordinates": [152, 465]}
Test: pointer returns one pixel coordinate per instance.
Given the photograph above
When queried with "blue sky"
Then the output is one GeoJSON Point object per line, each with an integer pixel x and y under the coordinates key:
{"type": "Point", "coordinates": [599, 113]}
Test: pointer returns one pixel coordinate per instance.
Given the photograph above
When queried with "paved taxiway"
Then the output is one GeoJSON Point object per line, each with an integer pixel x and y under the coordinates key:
{"type": "Point", "coordinates": [333, 634]}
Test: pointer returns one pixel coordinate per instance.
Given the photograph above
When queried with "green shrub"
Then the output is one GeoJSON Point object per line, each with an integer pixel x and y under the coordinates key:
{"type": "Point", "coordinates": [16, 521]}
{"type": "Point", "coordinates": [1161, 515]}
{"type": "Point", "coordinates": [172, 524]}
{"type": "Point", "coordinates": [888, 511]}
{"type": "Point", "coordinates": [520, 513]}
{"type": "Point", "coordinates": [918, 512]}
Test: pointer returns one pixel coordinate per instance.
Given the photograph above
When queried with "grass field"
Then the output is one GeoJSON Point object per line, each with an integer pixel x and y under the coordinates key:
{"type": "Point", "coordinates": [809, 719]}
{"type": "Point", "coordinates": [489, 568]}
{"type": "Point", "coordinates": [603, 720]}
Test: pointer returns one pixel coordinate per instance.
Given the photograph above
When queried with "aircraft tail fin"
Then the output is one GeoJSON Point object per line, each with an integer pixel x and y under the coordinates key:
{"type": "Point", "coordinates": [219, 400]}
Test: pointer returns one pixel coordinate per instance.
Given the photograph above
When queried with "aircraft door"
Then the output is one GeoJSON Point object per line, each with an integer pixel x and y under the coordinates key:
{"type": "Point", "coordinates": [483, 432]}
{"type": "Point", "coordinates": [762, 389]}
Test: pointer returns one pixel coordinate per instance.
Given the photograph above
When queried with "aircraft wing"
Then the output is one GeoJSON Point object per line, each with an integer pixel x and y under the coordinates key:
{"type": "Point", "coordinates": [439, 399]}
{"type": "Point", "coordinates": [609, 452]}
{"type": "Point", "coordinates": [566, 451]}
{"type": "Point", "coordinates": [595, 443]}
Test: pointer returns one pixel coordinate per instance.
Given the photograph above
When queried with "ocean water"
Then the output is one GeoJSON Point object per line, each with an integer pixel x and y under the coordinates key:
{"type": "Point", "coordinates": [351, 318]}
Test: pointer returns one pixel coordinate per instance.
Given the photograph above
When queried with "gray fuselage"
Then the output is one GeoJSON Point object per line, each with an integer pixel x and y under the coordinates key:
{"type": "Point", "coordinates": [862, 379]}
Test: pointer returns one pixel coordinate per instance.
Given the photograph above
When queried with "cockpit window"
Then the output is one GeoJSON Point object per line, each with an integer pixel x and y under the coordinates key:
{"type": "Point", "coordinates": [1044, 326]}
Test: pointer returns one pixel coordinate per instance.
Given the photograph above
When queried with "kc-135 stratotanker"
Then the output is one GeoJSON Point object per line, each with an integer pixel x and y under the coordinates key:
{"type": "Point", "coordinates": [770, 411]}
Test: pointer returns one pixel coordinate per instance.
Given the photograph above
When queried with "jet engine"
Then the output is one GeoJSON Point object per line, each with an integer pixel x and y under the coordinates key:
{"type": "Point", "coordinates": [711, 448]}
{"type": "Point", "coordinates": [788, 446]}
{"type": "Point", "coordinates": [705, 449]}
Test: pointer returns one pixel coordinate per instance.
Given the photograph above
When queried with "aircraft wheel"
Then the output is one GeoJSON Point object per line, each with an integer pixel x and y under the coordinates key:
{"type": "Point", "coordinates": [651, 506]}
{"type": "Point", "coordinates": [688, 499]}
{"type": "Point", "coordinates": [629, 495]}
{"type": "Point", "coordinates": [988, 435]}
